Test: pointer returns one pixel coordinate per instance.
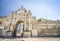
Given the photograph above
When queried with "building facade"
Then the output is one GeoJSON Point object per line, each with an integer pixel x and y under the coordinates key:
{"type": "Point", "coordinates": [22, 23]}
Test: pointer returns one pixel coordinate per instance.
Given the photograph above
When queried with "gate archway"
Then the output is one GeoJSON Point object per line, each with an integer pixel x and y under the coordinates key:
{"type": "Point", "coordinates": [15, 31]}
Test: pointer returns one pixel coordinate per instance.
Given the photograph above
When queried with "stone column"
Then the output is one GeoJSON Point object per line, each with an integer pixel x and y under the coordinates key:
{"type": "Point", "coordinates": [27, 31]}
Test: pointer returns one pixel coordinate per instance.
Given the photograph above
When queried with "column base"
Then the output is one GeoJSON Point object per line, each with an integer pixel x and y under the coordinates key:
{"type": "Point", "coordinates": [27, 34]}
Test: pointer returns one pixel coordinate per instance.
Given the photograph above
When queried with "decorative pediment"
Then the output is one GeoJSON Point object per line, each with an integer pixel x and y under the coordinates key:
{"type": "Point", "coordinates": [21, 10]}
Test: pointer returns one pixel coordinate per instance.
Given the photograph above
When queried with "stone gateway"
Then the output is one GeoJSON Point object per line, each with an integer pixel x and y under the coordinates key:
{"type": "Point", "coordinates": [22, 23]}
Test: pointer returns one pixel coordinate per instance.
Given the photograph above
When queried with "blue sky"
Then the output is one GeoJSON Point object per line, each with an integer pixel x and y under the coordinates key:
{"type": "Point", "coordinates": [49, 9]}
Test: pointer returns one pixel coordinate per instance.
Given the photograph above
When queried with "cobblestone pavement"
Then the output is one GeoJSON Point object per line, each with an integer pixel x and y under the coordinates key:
{"type": "Point", "coordinates": [31, 39]}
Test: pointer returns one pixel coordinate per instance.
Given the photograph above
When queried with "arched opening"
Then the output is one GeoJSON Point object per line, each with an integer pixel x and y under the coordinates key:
{"type": "Point", "coordinates": [18, 28]}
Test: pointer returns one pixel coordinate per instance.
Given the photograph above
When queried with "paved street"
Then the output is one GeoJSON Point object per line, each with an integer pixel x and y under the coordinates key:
{"type": "Point", "coordinates": [31, 39]}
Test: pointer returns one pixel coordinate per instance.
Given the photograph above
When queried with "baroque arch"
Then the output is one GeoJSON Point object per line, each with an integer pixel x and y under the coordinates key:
{"type": "Point", "coordinates": [15, 27]}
